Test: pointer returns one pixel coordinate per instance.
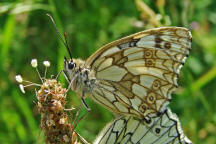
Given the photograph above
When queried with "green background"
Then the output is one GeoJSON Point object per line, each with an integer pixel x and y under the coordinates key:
{"type": "Point", "coordinates": [26, 33]}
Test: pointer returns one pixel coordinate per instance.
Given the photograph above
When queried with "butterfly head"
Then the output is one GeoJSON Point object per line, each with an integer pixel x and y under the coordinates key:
{"type": "Point", "coordinates": [72, 69]}
{"type": "Point", "coordinates": [69, 67]}
{"type": "Point", "coordinates": [72, 66]}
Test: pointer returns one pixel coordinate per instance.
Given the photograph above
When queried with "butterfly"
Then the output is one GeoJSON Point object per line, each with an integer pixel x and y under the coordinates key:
{"type": "Point", "coordinates": [134, 75]}
{"type": "Point", "coordinates": [161, 129]}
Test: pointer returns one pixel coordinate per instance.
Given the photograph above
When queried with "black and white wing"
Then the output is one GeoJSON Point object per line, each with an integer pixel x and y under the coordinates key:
{"type": "Point", "coordinates": [136, 75]}
{"type": "Point", "coordinates": [164, 129]}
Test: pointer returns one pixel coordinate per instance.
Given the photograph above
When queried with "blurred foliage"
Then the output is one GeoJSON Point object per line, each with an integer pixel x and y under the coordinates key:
{"type": "Point", "coordinates": [26, 33]}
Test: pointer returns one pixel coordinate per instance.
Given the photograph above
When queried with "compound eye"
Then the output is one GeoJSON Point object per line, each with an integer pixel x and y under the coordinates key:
{"type": "Point", "coordinates": [71, 65]}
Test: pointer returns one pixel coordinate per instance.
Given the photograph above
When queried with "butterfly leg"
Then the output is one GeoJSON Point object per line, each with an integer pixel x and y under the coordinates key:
{"type": "Point", "coordinates": [83, 102]}
{"type": "Point", "coordinates": [81, 138]}
{"type": "Point", "coordinates": [66, 77]}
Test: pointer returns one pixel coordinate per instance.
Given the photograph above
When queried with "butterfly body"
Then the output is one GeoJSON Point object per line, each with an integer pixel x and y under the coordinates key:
{"type": "Point", "coordinates": [82, 82]}
{"type": "Point", "coordinates": [134, 75]}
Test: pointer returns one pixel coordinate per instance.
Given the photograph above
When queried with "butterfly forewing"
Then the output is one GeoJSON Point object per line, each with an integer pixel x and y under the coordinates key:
{"type": "Point", "coordinates": [137, 74]}
{"type": "Point", "coordinates": [178, 38]}
{"type": "Point", "coordinates": [129, 130]}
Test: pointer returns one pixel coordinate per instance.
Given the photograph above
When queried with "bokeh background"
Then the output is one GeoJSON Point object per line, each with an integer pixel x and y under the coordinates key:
{"type": "Point", "coordinates": [26, 32]}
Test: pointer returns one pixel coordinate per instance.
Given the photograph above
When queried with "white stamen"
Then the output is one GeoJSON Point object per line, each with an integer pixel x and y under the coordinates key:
{"type": "Point", "coordinates": [34, 63]}
{"type": "Point", "coordinates": [18, 78]}
{"type": "Point", "coordinates": [46, 63]}
{"type": "Point", "coordinates": [22, 88]}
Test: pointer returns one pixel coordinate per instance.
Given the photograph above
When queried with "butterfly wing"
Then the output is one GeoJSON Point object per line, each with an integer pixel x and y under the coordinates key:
{"type": "Point", "coordinates": [161, 129]}
{"type": "Point", "coordinates": [137, 74]}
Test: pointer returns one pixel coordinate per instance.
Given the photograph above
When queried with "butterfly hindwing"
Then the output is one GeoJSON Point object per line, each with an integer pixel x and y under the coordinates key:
{"type": "Point", "coordinates": [129, 130]}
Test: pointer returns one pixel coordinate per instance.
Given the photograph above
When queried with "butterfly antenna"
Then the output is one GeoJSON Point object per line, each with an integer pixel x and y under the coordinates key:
{"type": "Point", "coordinates": [65, 43]}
